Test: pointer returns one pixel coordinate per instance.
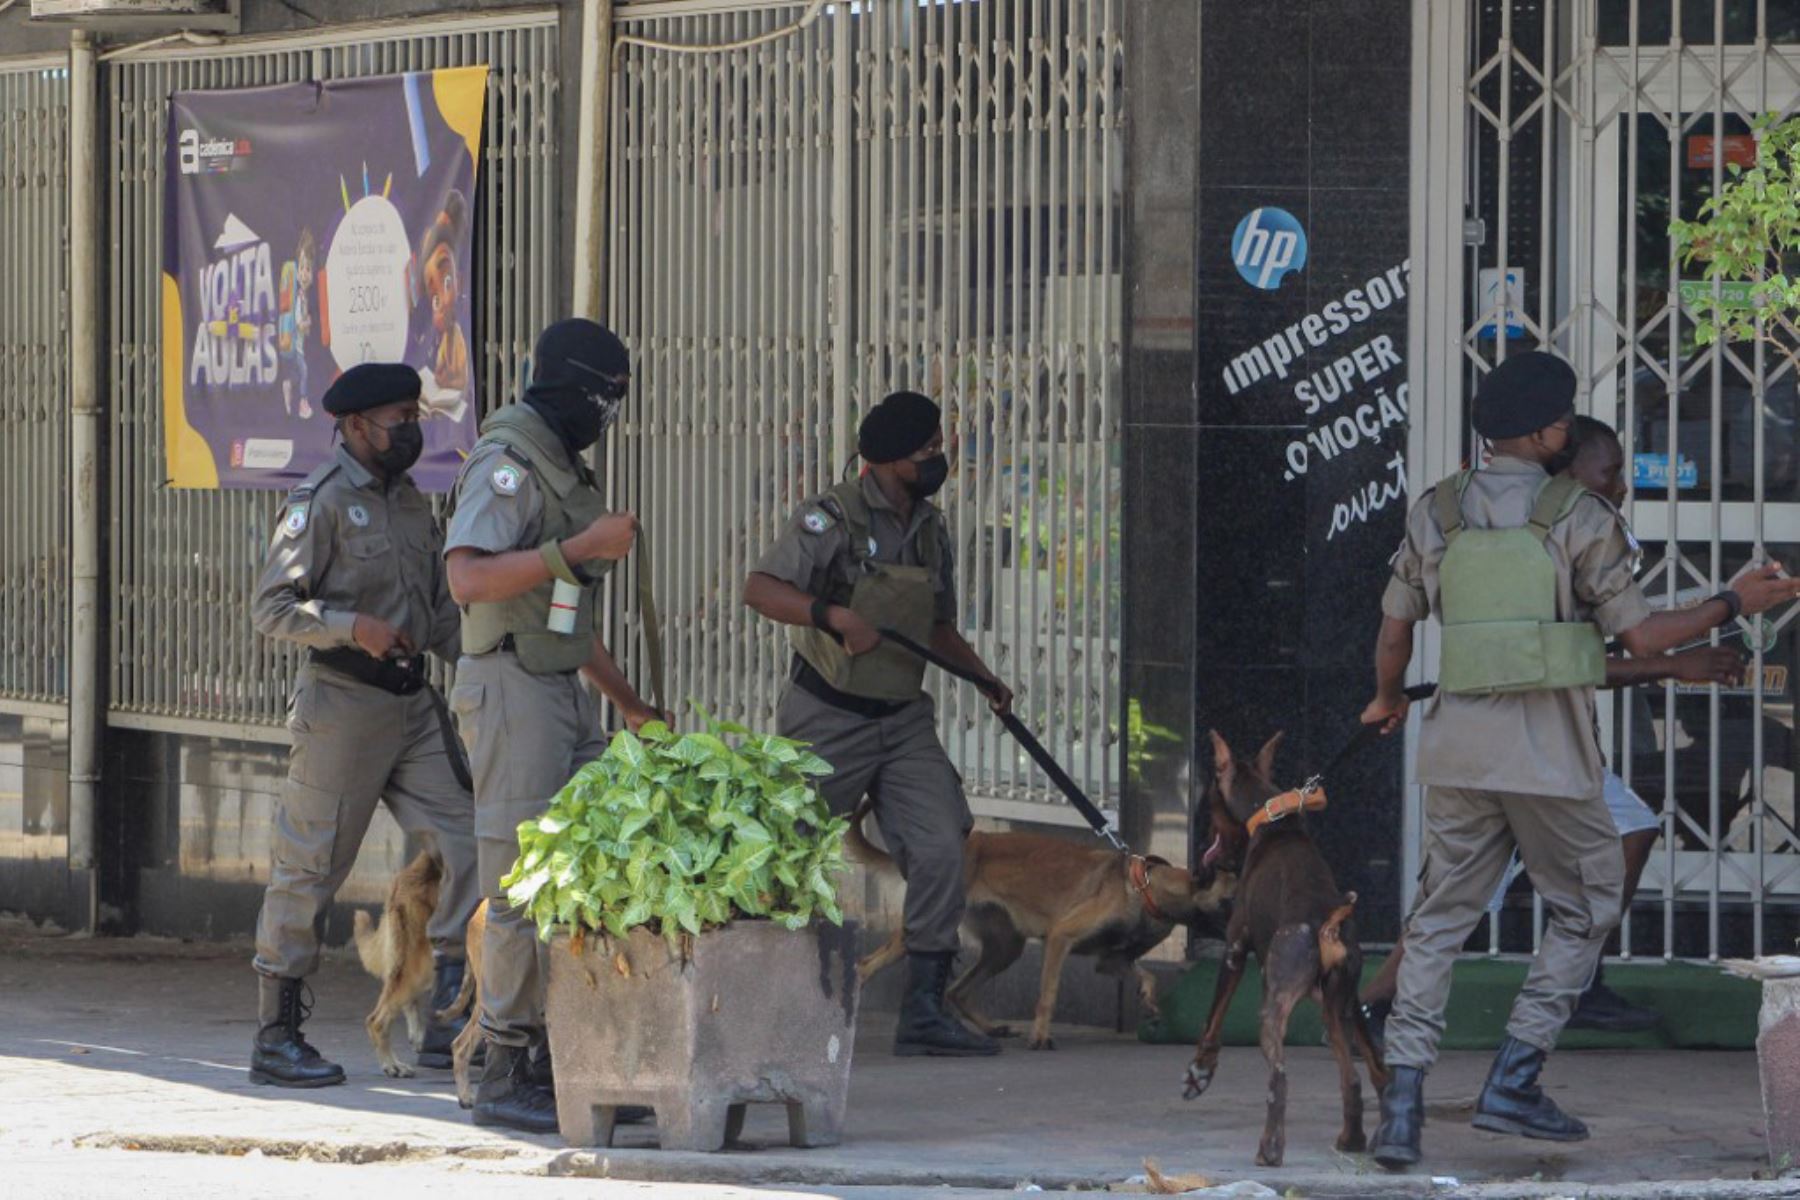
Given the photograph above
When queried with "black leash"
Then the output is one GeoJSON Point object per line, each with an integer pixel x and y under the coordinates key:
{"type": "Point", "coordinates": [1060, 778]}
{"type": "Point", "coordinates": [1068, 787]}
{"type": "Point", "coordinates": [459, 764]}
{"type": "Point", "coordinates": [1368, 733]}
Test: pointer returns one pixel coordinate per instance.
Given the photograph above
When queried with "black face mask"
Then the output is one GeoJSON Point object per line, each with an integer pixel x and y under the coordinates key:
{"type": "Point", "coordinates": [933, 472]}
{"type": "Point", "coordinates": [406, 441]}
{"type": "Point", "coordinates": [579, 417]}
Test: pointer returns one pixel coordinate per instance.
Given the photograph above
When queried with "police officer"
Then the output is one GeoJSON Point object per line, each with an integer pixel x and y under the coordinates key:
{"type": "Point", "coordinates": [355, 575]}
{"type": "Point", "coordinates": [871, 553]}
{"type": "Point", "coordinates": [1527, 575]}
{"type": "Point", "coordinates": [530, 524]}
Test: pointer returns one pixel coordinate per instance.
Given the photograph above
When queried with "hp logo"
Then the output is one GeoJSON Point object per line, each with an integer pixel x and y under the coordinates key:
{"type": "Point", "coordinates": [1267, 245]}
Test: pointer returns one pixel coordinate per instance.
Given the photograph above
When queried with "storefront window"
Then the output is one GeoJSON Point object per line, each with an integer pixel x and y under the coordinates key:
{"type": "Point", "coordinates": [1696, 473]}
{"type": "Point", "coordinates": [1700, 21]}
{"type": "Point", "coordinates": [1649, 719]}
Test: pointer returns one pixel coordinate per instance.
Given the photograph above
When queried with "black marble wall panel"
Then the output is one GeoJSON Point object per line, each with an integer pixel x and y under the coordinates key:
{"type": "Point", "coordinates": [1161, 505]}
{"type": "Point", "coordinates": [1300, 471]}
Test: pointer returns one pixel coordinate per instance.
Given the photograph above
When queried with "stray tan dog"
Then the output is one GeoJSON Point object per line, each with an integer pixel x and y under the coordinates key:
{"type": "Point", "coordinates": [398, 952]}
{"type": "Point", "coordinates": [1078, 899]}
{"type": "Point", "coordinates": [463, 1048]}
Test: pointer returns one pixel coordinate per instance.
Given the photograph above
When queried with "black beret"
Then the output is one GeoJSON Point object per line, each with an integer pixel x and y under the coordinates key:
{"type": "Point", "coordinates": [371, 385]}
{"type": "Point", "coordinates": [1524, 394]}
{"type": "Point", "coordinates": [578, 352]}
{"type": "Point", "coordinates": [897, 427]}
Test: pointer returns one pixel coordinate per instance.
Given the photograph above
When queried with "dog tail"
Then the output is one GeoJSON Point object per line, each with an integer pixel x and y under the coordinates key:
{"type": "Point", "coordinates": [862, 850]}
{"type": "Point", "coordinates": [369, 944]}
{"type": "Point", "coordinates": [1332, 951]}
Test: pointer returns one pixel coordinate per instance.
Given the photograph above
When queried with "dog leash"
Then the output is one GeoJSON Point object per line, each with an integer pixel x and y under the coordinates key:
{"type": "Point", "coordinates": [1068, 787]}
{"type": "Point", "coordinates": [459, 763]}
{"type": "Point", "coordinates": [652, 623]}
{"type": "Point", "coordinates": [1310, 796]}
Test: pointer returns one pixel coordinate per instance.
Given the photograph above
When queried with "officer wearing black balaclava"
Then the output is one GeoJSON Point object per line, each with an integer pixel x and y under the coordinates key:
{"type": "Point", "coordinates": [870, 553]}
{"type": "Point", "coordinates": [530, 524]}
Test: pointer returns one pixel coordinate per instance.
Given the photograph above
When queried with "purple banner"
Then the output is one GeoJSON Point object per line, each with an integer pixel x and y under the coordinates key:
{"type": "Point", "coordinates": [312, 227]}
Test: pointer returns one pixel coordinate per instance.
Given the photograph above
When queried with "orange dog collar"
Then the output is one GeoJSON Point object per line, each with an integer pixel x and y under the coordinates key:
{"type": "Point", "coordinates": [1275, 808]}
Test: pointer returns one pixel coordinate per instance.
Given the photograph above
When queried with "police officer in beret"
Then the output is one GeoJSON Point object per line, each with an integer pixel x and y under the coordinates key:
{"type": "Point", "coordinates": [530, 521]}
{"type": "Point", "coordinates": [1528, 574]}
{"type": "Point", "coordinates": [355, 575]}
{"type": "Point", "coordinates": [870, 553]}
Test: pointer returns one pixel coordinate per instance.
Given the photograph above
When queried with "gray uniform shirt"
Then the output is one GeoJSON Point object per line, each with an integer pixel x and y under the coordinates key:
{"type": "Point", "coordinates": [815, 542]}
{"type": "Point", "coordinates": [499, 506]}
{"type": "Point", "coordinates": [347, 545]}
{"type": "Point", "coordinates": [1537, 743]}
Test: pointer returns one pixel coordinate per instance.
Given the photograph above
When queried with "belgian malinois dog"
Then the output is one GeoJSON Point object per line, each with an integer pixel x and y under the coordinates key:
{"type": "Point", "coordinates": [1078, 899]}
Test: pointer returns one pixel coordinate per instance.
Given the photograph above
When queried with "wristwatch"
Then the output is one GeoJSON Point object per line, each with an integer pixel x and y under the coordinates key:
{"type": "Point", "coordinates": [1734, 604]}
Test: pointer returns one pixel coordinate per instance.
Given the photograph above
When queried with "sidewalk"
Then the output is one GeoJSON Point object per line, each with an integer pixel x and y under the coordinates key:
{"type": "Point", "coordinates": [141, 1045]}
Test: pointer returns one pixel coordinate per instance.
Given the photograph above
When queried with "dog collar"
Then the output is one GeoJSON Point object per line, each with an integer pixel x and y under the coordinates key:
{"type": "Point", "coordinates": [1310, 798]}
{"type": "Point", "coordinates": [1139, 873]}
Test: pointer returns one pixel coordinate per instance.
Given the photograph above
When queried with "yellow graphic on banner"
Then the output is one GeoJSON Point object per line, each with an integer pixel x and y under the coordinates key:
{"type": "Point", "coordinates": [461, 93]}
{"type": "Point", "coordinates": [190, 459]}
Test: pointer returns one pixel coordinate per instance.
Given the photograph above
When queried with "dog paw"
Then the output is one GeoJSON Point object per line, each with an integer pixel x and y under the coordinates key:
{"type": "Point", "coordinates": [1348, 1144]}
{"type": "Point", "coordinates": [1196, 1081]}
{"type": "Point", "coordinates": [397, 1071]}
{"type": "Point", "coordinates": [1268, 1156]}
{"type": "Point", "coordinates": [1002, 1031]}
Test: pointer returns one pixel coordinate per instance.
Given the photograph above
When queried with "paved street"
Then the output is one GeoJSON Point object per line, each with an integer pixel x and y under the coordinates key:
{"type": "Point", "coordinates": [121, 1073]}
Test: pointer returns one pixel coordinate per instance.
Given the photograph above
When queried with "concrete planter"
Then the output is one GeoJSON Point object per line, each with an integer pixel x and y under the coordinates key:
{"type": "Point", "coordinates": [757, 1015]}
{"type": "Point", "coordinates": [1778, 1057]}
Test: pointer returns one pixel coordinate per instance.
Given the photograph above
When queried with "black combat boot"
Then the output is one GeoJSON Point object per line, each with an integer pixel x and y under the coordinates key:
{"type": "Point", "coordinates": [543, 1074]}
{"type": "Point", "coordinates": [281, 1054]}
{"type": "Point", "coordinates": [434, 1051]}
{"type": "Point", "coordinates": [506, 1096]}
{"type": "Point", "coordinates": [1396, 1142]}
{"type": "Point", "coordinates": [926, 1026]}
{"type": "Point", "coordinates": [1604, 1010]}
{"type": "Point", "coordinates": [543, 1071]}
{"type": "Point", "coordinates": [1512, 1102]}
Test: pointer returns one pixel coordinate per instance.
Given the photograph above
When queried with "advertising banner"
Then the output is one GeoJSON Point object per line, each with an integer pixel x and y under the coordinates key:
{"type": "Point", "coordinates": [311, 227]}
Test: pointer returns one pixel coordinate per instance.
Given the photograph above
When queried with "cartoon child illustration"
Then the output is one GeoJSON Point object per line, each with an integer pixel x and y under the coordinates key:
{"type": "Point", "coordinates": [294, 322]}
{"type": "Point", "coordinates": [448, 376]}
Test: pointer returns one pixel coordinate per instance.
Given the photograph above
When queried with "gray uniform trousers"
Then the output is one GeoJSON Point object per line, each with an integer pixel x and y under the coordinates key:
{"type": "Point", "coordinates": [354, 746]}
{"type": "Point", "coordinates": [898, 762]}
{"type": "Point", "coordinates": [526, 734]}
{"type": "Point", "coordinates": [1571, 851]}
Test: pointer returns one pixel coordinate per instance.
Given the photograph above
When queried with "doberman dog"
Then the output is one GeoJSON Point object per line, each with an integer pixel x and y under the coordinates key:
{"type": "Point", "coordinates": [1290, 913]}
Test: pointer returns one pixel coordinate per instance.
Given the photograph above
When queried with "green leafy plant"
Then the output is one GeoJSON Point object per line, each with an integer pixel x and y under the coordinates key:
{"type": "Point", "coordinates": [681, 832]}
{"type": "Point", "coordinates": [1743, 238]}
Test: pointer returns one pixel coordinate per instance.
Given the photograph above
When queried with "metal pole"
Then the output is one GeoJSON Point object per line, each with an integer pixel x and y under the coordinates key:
{"type": "Point", "coordinates": [590, 156]}
{"type": "Point", "coordinates": [86, 694]}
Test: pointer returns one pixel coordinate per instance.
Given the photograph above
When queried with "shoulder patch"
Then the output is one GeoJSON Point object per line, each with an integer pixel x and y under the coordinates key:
{"type": "Point", "coordinates": [294, 524]}
{"type": "Point", "coordinates": [507, 478]}
{"type": "Point", "coordinates": [817, 520]}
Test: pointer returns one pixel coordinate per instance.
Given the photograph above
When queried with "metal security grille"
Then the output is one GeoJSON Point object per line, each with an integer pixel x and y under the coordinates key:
{"type": "Point", "coordinates": [184, 562]}
{"type": "Point", "coordinates": [902, 195]}
{"type": "Point", "coordinates": [1583, 129]}
{"type": "Point", "coordinates": [34, 380]}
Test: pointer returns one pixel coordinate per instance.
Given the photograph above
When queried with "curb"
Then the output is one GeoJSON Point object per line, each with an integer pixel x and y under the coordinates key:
{"type": "Point", "coordinates": [777, 1169]}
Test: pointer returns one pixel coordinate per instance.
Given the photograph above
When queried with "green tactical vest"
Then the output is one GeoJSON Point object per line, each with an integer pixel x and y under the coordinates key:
{"type": "Point", "coordinates": [1497, 602]}
{"type": "Point", "coordinates": [571, 502]}
{"type": "Point", "coordinates": [886, 595]}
